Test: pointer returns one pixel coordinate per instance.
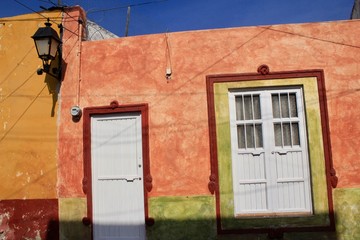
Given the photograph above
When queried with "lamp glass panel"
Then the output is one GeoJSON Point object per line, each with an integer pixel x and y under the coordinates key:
{"type": "Point", "coordinates": [42, 46]}
{"type": "Point", "coordinates": [53, 48]}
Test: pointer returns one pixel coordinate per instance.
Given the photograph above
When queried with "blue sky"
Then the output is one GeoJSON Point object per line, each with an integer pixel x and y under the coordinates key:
{"type": "Point", "coordinates": [158, 16]}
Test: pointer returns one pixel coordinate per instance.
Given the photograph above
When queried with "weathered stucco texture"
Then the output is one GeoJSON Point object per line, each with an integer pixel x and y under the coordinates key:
{"type": "Point", "coordinates": [71, 213]}
{"type": "Point", "coordinates": [28, 106]}
{"type": "Point", "coordinates": [70, 152]}
{"type": "Point", "coordinates": [28, 133]}
{"type": "Point", "coordinates": [132, 70]}
{"type": "Point", "coordinates": [33, 219]}
{"type": "Point", "coordinates": [347, 213]}
{"type": "Point", "coordinates": [182, 218]}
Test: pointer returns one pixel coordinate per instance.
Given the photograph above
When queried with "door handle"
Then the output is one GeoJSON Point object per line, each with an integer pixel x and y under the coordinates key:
{"type": "Point", "coordinates": [132, 179]}
{"type": "Point", "coordinates": [280, 152]}
{"type": "Point", "coordinates": [286, 151]}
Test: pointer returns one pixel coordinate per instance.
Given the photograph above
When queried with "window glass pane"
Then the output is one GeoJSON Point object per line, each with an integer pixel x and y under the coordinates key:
{"type": "Point", "coordinates": [258, 135]}
{"type": "Point", "coordinates": [293, 108]}
{"type": "Point", "coordinates": [250, 139]}
{"type": "Point", "coordinates": [287, 134]}
{"type": "Point", "coordinates": [284, 105]}
{"type": "Point", "coordinates": [239, 108]}
{"type": "Point", "coordinates": [295, 133]}
{"type": "Point", "coordinates": [275, 105]}
{"type": "Point", "coordinates": [257, 111]}
{"type": "Point", "coordinates": [241, 136]}
{"type": "Point", "coordinates": [248, 108]}
{"type": "Point", "coordinates": [278, 135]}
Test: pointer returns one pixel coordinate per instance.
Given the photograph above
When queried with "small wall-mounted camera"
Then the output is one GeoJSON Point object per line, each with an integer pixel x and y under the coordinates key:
{"type": "Point", "coordinates": [168, 73]}
{"type": "Point", "coordinates": [76, 113]}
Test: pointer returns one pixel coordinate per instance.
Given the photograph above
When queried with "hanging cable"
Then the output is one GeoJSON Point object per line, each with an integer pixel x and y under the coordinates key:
{"type": "Point", "coordinates": [168, 70]}
{"type": "Point", "coordinates": [17, 88]}
{"type": "Point", "coordinates": [22, 114]}
{"type": "Point", "coordinates": [17, 65]}
{"type": "Point", "coordinates": [120, 7]}
{"type": "Point", "coordinates": [62, 6]}
{"type": "Point", "coordinates": [27, 7]}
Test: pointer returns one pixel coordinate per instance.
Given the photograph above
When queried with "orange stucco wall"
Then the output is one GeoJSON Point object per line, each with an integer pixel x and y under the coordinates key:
{"type": "Point", "coordinates": [28, 133]}
{"type": "Point", "coordinates": [132, 70]}
{"type": "Point", "coordinates": [28, 107]}
{"type": "Point", "coordinates": [70, 156]}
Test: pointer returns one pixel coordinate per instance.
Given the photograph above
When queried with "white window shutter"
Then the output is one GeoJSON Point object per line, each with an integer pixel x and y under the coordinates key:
{"type": "Point", "coordinates": [291, 154]}
{"type": "Point", "coordinates": [249, 181]}
{"type": "Point", "coordinates": [271, 175]}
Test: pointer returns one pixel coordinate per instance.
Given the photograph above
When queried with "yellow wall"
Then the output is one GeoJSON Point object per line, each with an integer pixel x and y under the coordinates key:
{"type": "Point", "coordinates": [28, 132]}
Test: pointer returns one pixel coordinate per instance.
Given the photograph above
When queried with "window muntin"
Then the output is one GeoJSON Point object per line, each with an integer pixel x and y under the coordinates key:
{"type": "Point", "coordinates": [248, 118]}
{"type": "Point", "coordinates": [269, 153]}
{"type": "Point", "coordinates": [286, 122]}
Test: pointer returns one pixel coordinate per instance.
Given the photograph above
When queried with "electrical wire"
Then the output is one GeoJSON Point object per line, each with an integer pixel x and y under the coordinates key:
{"type": "Point", "coordinates": [310, 37]}
{"type": "Point", "coordinates": [17, 65]}
{"type": "Point", "coordinates": [4, 20]}
{"type": "Point", "coordinates": [17, 88]}
{"type": "Point", "coordinates": [52, 3]}
{"type": "Point", "coordinates": [22, 115]}
{"type": "Point", "coordinates": [45, 1]}
{"type": "Point", "coordinates": [56, 5]}
{"type": "Point", "coordinates": [27, 7]}
{"type": "Point", "coordinates": [121, 7]}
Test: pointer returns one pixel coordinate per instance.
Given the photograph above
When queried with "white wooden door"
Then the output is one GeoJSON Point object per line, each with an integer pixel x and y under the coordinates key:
{"type": "Point", "coordinates": [117, 177]}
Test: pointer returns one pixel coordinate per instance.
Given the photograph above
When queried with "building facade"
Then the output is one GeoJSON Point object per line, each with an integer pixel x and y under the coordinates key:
{"type": "Point", "coordinates": [239, 133]}
{"type": "Point", "coordinates": [28, 135]}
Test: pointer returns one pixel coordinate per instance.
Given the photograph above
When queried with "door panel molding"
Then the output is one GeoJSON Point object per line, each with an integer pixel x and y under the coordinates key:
{"type": "Point", "coordinates": [112, 108]}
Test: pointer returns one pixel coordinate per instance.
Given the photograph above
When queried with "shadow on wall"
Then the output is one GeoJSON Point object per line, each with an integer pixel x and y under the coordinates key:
{"type": "Point", "coordinates": [54, 84]}
{"type": "Point", "coordinates": [176, 230]}
{"type": "Point", "coordinates": [52, 231]}
{"type": "Point", "coordinates": [72, 230]}
{"type": "Point", "coordinates": [166, 230]}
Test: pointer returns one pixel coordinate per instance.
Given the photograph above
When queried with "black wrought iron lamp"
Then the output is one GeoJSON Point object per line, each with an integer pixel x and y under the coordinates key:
{"type": "Point", "coordinates": [47, 44]}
